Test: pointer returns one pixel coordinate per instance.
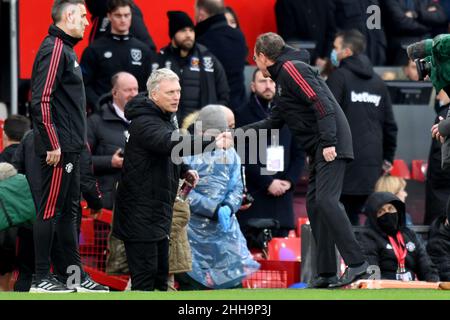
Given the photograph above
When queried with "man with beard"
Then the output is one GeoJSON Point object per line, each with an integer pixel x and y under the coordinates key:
{"type": "Point", "coordinates": [202, 77]}
{"type": "Point", "coordinates": [273, 194]}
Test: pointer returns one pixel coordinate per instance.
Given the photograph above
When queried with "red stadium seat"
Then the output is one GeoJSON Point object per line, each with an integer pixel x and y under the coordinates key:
{"type": "Point", "coordinates": [284, 249]}
{"type": "Point", "coordinates": [400, 169]}
{"type": "Point", "coordinates": [419, 170]}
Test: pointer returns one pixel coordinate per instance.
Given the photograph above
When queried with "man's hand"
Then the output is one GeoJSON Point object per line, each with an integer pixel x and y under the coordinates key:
{"type": "Point", "coordinates": [387, 166]}
{"type": "Point", "coordinates": [435, 131]}
{"type": "Point", "coordinates": [286, 185]}
{"type": "Point", "coordinates": [117, 159]}
{"type": "Point", "coordinates": [329, 154]}
{"type": "Point", "coordinates": [224, 140]}
{"type": "Point", "coordinates": [53, 157]}
{"type": "Point", "coordinates": [276, 188]}
{"type": "Point", "coordinates": [192, 177]}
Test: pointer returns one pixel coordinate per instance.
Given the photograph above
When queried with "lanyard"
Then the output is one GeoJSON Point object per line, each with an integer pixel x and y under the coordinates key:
{"type": "Point", "coordinates": [399, 251]}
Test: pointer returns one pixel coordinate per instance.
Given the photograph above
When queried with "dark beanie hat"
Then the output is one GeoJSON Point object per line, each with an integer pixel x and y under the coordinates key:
{"type": "Point", "coordinates": [178, 20]}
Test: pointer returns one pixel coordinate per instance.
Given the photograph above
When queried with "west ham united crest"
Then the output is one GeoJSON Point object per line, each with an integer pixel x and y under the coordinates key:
{"type": "Point", "coordinates": [136, 55]}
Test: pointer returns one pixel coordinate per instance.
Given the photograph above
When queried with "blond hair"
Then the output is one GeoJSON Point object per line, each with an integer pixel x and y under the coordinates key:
{"type": "Point", "coordinates": [390, 184]}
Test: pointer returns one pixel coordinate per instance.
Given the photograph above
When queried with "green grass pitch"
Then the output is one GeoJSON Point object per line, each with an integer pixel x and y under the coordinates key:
{"type": "Point", "coordinates": [243, 294]}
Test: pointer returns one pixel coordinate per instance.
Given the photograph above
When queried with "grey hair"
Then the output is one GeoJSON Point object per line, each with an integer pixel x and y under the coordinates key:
{"type": "Point", "coordinates": [7, 170]}
{"type": "Point", "coordinates": [59, 6]}
{"type": "Point", "coordinates": [270, 44]}
{"type": "Point", "coordinates": [159, 75]}
{"type": "Point", "coordinates": [211, 117]}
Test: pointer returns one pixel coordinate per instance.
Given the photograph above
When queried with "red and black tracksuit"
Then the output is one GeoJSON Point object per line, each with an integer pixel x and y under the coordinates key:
{"type": "Point", "coordinates": [58, 109]}
{"type": "Point", "coordinates": [305, 104]}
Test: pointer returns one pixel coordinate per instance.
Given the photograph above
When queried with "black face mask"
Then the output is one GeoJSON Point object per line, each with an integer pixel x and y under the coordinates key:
{"type": "Point", "coordinates": [389, 223]}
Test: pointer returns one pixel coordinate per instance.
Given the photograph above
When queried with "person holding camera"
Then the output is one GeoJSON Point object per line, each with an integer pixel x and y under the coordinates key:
{"type": "Point", "coordinates": [108, 132]}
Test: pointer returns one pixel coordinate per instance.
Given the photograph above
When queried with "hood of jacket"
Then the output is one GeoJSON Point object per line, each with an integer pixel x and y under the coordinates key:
{"type": "Point", "coordinates": [359, 65]}
{"type": "Point", "coordinates": [374, 203]}
{"type": "Point", "coordinates": [142, 105]}
{"type": "Point", "coordinates": [288, 54]}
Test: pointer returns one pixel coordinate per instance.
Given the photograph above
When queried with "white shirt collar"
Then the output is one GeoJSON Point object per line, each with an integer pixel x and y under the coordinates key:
{"type": "Point", "coordinates": [120, 113]}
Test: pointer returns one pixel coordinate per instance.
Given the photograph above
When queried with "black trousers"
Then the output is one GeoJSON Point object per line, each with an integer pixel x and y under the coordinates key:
{"type": "Point", "coordinates": [57, 216]}
{"type": "Point", "coordinates": [149, 264]}
{"type": "Point", "coordinates": [329, 222]}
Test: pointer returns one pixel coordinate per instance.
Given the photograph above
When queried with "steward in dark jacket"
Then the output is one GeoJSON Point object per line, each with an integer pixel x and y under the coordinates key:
{"type": "Point", "coordinates": [365, 100]}
{"type": "Point", "coordinates": [267, 206]}
{"type": "Point", "coordinates": [317, 123]}
{"type": "Point", "coordinates": [101, 25]}
{"type": "Point", "coordinates": [202, 78]}
{"type": "Point", "coordinates": [438, 246]}
{"type": "Point", "coordinates": [228, 45]}
{"type": "Point", "coordinates": [380, 250]}
{"type": "Point", "coordinates": [107, 133]}
{"type": "Point", "coordinates": [109, 55]}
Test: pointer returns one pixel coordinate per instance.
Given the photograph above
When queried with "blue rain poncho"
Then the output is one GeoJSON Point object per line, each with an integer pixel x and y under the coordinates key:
{"type": "Point", "coordinates": [219, 259]}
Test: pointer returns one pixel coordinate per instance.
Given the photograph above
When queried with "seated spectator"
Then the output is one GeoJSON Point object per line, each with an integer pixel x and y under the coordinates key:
{"type": "Point", "coordinates": [396, 186]}
{"type": "Point", "coordinates": [116, 52]}
{"type": "Point", "coordinates": [438, 246]}
{"type": "Point", "coordinates": [220, 258]}
{"type": "Point", "coordinates": [14, 129]}
{"type": "Point", "coordinates": [389, 244]}
{"type": "Point", "coordinates": [16, 201]}
{"type": "Point", "coordinates": [202, 78]}
{"type": "Point", "coordinates": [108, 132]}
{"type": "Point", "coordinates": [410, 70]}
{"type": "Point", "coordinates": [226, 43]}
{"type": "Point", "coordinates": [101, 25]}
{"type": "Point", "coordinates": [409, 21]}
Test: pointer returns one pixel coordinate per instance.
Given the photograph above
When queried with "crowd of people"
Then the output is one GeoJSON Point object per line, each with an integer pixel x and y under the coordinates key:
{"type": "Point", "coordinates": [183, 215]}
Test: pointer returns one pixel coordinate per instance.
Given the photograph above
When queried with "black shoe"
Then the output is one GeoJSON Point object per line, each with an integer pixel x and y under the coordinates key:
{"type": "Point", "coordinates": [351, 275]}
{"type": "Point", "coordinates": [49, 284]}
{"type": "Point", "coordinates": [89, 285]}
{"type": "Point", "coordinates": [322, 282]}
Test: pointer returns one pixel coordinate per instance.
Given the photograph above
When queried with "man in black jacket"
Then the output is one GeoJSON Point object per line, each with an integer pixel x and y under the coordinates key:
{"type": "Point", "coordinates": [226, 43]}
{"type": "Point", "coordinates": [118, 51]}
{"type": "Point", "coordinates": [58, 109]}
{"type": "Point", "coordinates": [107, 134]}
{"type": "Point", "coordinates": [149, 182]}
{"type": "Point", "coordinates": [305, 104]}
{"type": "Point", "coordinates": [202, 77]}
{"type": "Point", "coordinates": [273, 194]}
{"type": "Point", "coordinates": [101, 25]}
{"type": "Point", "coordinates": [365, 100]}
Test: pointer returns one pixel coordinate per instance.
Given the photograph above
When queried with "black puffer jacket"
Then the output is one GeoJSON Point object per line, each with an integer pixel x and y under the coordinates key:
{"type": "Point", "coordinates": [305, 104]}
{"type": "Point", "coordinates": [438, 247]}
{"type": "Point", "coordinates": [107, 133]}
{"type": "Point", "coordinates": [149, 180]}
{"type": "Point", "coordinates": [378, 249]}
{"type": "Point", "coordinates": [202, 78]}
{"type": "Point", "coordinates": [365, 100]}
